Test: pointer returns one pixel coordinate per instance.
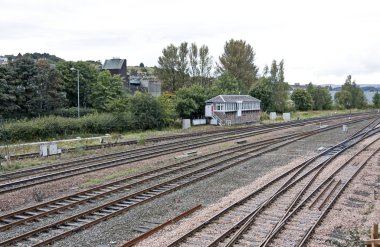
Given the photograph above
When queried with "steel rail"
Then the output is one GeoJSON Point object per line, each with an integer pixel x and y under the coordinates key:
{"type": "Point", "coordinates": [158, 139]}
{"type": "Point", "coordinates": [17, 173]}
{"type": "Point", "coordinates": [229, 208]}
{"type": "Point", "coordinates": [23, 183]}
{"type": "Point", "coordinates": [37, 211]}
{"type": "Point", "coordinates": [149, 194]}
{"type": "Point", "coordinates": [323, 183]}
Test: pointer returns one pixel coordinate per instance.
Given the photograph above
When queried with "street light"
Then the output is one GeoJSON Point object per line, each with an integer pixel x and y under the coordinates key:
{"type": "Point", "coordinates": [77, 70]}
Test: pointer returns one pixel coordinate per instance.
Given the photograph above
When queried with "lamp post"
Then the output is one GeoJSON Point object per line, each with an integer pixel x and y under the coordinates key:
{"type": "Point", "coordinates": [77, 70]}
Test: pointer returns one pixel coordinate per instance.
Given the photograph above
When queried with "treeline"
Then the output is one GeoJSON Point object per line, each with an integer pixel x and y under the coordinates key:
{"type": "Point", "coordinates": [30, 87]}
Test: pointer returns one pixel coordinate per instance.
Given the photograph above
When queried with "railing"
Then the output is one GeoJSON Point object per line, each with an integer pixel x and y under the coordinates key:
{"type": "Point", "coordinates": [218, 119]}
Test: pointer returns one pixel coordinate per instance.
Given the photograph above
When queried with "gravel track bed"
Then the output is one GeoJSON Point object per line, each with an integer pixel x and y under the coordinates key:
{"type": "Point", "coordinates": [356, 210]}
{"type": "Point", "coordinates": [54, 189]}
{"type": "Point", "coordinates": [117, 230]}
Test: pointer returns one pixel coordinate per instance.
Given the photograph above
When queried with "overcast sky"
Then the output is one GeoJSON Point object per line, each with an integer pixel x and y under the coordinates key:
{"type": "Point", "coordinates": [321, 41]}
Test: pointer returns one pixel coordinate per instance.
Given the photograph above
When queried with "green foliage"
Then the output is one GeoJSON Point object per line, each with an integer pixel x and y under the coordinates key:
{"type": "Point", "coordinates": [141, 65]}
{"type": "Point", "coordinates": [264, 116]}
{"type": "Point", "coordinates": [8, 103]}
{"type": "Point", "coordinates": [146, 111]}
{"type": "Point", "coordinates": [43, 56]}
{"type": "Point", "coordinates": [352, 238]}
{"type": "Point", "coordinates": [190, 101]}
{"type": "Point", "coordinates": [238, 60]}
{"type": "Point", "coordinates": [72, 112]}
{"type": "Point", "coordinates": [226, 84]}
{"type": "Point", "coordinates": [169, 114]}
{"type": "Point", "coordinates": [88, 75]}
{"type": "Point", "coordinates": [321, 97]}
{"type": "Point", "coordinates": [106, 89]}
{"type": "Point", "coordinates": [271, 89]}
{"type": "Point", "coordinates": [351, 95]}
{"type": "Point", "coordinates": [344, 99]}
{"type": "Point", "coordinates": [376, 100]}
{"type": "Point", "coordinates": [166, 70]}
{"type": "Point", "coordinates": [262, 90]}
{"type": "Point", "coordinates": [302, 100]}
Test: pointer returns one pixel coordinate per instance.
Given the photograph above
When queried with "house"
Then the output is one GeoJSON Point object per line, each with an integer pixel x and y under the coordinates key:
{"type": "Point", "coordinates": [117, 66]}
{"type": "Point", "coordinates": [232, 109]}
{"type": "Point", "coordinates": [144, 83]}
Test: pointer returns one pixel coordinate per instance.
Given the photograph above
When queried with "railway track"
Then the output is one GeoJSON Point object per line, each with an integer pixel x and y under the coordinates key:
{"type": "Point", "coordinates": [58, 171]}
{"type": "Point", "coordinates": [57, 230]}
{"type": "Point", "coordinates": [181, 136]}
{"type": "Point", "coordinates": [287, 208]}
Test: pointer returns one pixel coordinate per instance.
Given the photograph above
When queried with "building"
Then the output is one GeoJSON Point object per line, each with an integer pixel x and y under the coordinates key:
{"type": "Point", "coordinates": [144, 83]}
{"type": "Point", "coordinates": [232, 109]}
{"type": "Point", "coordinates": [117, 66]}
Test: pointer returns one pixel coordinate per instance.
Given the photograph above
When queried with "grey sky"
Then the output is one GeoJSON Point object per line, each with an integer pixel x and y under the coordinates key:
{"type": "Point", "coordinates": [321, 41]}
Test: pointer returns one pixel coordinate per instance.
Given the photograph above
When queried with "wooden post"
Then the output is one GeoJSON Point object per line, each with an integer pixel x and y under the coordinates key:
{"type": "Point", "coordinates": [375, 233]}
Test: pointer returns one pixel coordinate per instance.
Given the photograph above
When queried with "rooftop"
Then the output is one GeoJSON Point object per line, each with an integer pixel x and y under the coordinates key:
{"type": "Point", "coordinates": [232, 98]}
{"type": "Point", "coordinates": [114, 63]}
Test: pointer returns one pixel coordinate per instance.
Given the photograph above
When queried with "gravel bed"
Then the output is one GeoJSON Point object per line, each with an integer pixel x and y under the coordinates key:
{"type": "Point", "coordinates": [54, 189]}
{"type": "Point", "coordinates": [354, 212]}
{"type": "Point", "coordinates": [117, 230]}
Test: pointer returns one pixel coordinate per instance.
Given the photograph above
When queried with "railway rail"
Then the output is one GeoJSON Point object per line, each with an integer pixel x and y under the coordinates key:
{"type": "Point", "coordinates": [181, 136]}
{"type": "Point", "coordinates": [286, 209]}
{"type": "Point", "coordinates": [58, 171]}
{"type": "Point", "coordinates": [57, 230]}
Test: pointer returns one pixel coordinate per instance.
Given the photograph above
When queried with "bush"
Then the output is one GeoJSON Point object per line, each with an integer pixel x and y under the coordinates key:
{"type": "Point", "coordinates": [264, 116]}
{"type": "Point", "coordinates": [73, 112]}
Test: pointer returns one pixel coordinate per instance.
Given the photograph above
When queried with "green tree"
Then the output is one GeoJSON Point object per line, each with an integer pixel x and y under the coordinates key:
{"type": "Point", "coordinates": [356, 98]}
{"type": "Point", "coordinates": [344, 99]}
{"type": "Point", "coordinates": [167, 69]}
{"type": "Point", "coordinates": [321, 97]}
{"type": "Point", "coordinates": [106, 89]}
{"type": "Point", "coordinates": [205, 64]}
{"type": "Point", "coordinates": [183, 63]}
{"type": "Point", "coordinates": [27, 88]}
{"type": "Point", "coordinates": [193, 61]}
{"type": "Point", "coordinates": [146, 111]}
{"type": "Point", "coordinates": [376, 100]}
{"type": "Point", "coordinates": [88, 75]}
{"type": "Point", "coordinates": [226, 84]}
{"type": "Point", "coordinates": [50, 88]}
{"type": "Point", "coordinates": [190, 101]}
{"type": "Point", "coordinates": [141, 65]}
{"type": "Point", "coordinates": [169, 114]}
{"type": "Point", "coordinates": [278, 86]}
{"type": "Point", "coordinates": [8, 100]}
{"type": "Point", "coordinates": [262, 90]}
{"type": "Point", "coordinates": [238, 60]}
{"type": "Point", "coordinates": [302, 99]}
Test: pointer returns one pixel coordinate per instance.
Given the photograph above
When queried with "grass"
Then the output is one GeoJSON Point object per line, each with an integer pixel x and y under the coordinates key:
{"type": "Point", "coordinates": [94, 181]}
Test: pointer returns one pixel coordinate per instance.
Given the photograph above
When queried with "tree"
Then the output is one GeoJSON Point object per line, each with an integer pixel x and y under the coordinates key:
{"type": "Point", "coordinates": [262, 90]}
{"type": "Point", "coordinates": [356, 98]}
{"type": "Point", "coordinates": [190, 101]}
{"type": "Point", "coordinates": [302, 99]}
{"type": "Point", "coordinates": [8, 100]}
{"type": "Point", "coordinates": [166, 71]}
{"type": "Point", "coordinates": [278, 86]}
{"type": "Point", "coordinates": [344, 99]}
{"type": "Point", "coordinates": [193, 60]}
{"type": "Point", "coordinates": [321, 97]}
{"type": "Point", "coordinates": [205, 64]}
{"type": "Point", "coordinates": [226, 84]}
{"type": "Point", "coordinates": [50, 88]}
{"type": "Point", "coordinates": [376, 99]}
{"type": "Point", "coordinates": [106, 89]}
{"type": "Point", "coordinates": [146, 111]}
{"type": "Point", "coordinates": [169, 114]}
{"type": "Point", "coordinates": [141, 65]}
{"type": "Point", "coordinates": [238, 60]}
{"type": "Point", "coordinates": [183, 63]}
{"type": "Point", "coordinates": [88, 75]}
